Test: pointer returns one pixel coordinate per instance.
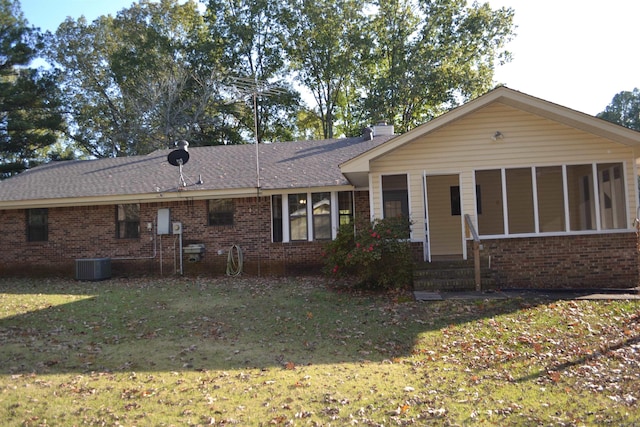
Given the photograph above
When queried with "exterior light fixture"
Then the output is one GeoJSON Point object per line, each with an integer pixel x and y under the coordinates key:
{"type": "Point", "coordinates": [498, 135]}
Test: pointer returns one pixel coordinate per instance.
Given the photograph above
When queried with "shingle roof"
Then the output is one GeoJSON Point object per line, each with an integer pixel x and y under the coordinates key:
{"type": "Point", "coordinates": [284, 165]}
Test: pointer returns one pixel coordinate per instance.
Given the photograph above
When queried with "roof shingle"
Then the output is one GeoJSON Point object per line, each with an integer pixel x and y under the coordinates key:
{"type": "Point", "coordinates": [284, 165]}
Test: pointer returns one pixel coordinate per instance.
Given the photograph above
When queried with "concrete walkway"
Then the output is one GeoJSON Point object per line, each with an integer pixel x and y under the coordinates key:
{"type": "Point", "coordinates": [600, 294]}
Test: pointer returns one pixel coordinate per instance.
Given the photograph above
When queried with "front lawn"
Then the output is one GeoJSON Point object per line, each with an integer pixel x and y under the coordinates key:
{"type": "Point", "coordinates": [251, 351]}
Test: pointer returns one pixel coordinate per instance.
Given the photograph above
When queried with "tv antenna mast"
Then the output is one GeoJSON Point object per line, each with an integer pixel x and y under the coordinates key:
{"type": "Point", "coordinates": [252, 87]}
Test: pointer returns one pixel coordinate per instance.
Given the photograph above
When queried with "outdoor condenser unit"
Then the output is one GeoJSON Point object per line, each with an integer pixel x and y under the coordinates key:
{"type": "Point", "coordinates": [93, 269]}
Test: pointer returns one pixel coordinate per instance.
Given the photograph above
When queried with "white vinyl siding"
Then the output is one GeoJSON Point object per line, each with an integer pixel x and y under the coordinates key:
{"type": "Point", "coordinates": [465, 146]}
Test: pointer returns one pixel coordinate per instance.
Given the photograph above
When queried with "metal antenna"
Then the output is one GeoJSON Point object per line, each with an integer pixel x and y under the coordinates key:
{"type": "Point", "coordinates": [250, 87]}
{"type": "Point", "coordinates": [182, 181]}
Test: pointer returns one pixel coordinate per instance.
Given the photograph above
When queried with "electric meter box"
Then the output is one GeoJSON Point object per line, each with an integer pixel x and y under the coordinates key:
{"type": "Point", "coordinates": [177, 228]}
{"type": "Point", "coordinates": [164, 221]}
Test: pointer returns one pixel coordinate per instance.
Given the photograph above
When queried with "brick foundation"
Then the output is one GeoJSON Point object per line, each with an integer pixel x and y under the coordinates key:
{"type": "Point", "coordinates": [594, 261]}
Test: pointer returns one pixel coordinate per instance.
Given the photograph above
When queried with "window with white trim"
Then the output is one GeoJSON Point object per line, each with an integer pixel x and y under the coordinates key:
{"type": "Point", "coordinates": [551, 199]}
{"type": "Point", "coordinates": [395, 196]}
{"type": "Point", "coordinates": [298, 216]}
{"type": "Point", "coordinates": [321, 212]}
{"type": "Point", "coordinates": [310, 216]}
{"type": "Point", "coordinates": [345, 207]}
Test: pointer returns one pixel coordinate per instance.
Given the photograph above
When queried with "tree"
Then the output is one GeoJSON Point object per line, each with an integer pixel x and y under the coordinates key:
{"type": "Point", "coordinates": [624, 109]}
{"type": "Point", "coordinates": [162, 71]}
{"type": "Point", "coordinates": [29, 119]}
{"type": "Point", "coordinates": [247, 33]}
{"type": "Point", "coordinates": [430, 55]}
{"type": "Point", "coordinates": [141, 81]}
{"type": "Point", "coordinates": [325, 43]}
{"type": "Point", "coordinates": [403, 61]}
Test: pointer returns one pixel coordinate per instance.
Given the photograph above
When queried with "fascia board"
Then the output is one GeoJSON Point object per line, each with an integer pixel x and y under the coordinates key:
{"type": "Point", "coordinates": [158, 197]}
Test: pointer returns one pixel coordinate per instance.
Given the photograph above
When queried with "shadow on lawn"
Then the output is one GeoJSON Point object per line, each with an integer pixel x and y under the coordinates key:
{"type": "Point", "coordinates": [212, 324]}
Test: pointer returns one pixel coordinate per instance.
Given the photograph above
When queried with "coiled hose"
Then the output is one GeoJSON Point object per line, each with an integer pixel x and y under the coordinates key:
{"type": "Point", "coordinates": [234, 261]}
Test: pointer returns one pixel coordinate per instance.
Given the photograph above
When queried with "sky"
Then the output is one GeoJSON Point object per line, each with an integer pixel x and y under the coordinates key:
{"type": "Point", "coordinates": [574, 53]}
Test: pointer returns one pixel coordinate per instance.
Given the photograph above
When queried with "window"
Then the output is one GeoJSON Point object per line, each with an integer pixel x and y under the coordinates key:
{"type": "Point", "coordinates": [395, 196]}
{"type": "Point", "coordinates": [310, 216]}
{"type": "Point", "coordinates": [490, 214]}
{"type": "Point", "coordinates": [520, 201]}
{"type": "Point", "coordinates": [582, 208]}
{"type": "Point", "coordinates": [611, 193]}
{"type": "Point", "coordinates": [345, 207]}
{"type": "Point", "coordinates": [552, 199]}
{"type": "Point", "coordinates": [276, 218]}
{"type": "Point", "coordinates": [37, 225]}
{"type": "Point", "coordinates": [128, 221]}
{"type": "Point", "coordinates": [455, 200]}
{"type": "Point", "coordinates": [298, 216]}
{"type": "Point", "coordinates": [321, 216]}
{"type": "Point", "coordinates": [221, 212]}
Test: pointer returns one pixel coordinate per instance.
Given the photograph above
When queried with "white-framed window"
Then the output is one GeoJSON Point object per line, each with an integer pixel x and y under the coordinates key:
{"type": "Point", "coordinates": [310, 216]}
{"type": "Point", "coordinates": [551, 199]}
{"type": "Point", "coordinates": [395, 196]}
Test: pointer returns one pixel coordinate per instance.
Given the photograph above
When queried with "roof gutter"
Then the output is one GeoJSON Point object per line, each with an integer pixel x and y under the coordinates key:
{"type": "Point", "coordinates": [171, 196]}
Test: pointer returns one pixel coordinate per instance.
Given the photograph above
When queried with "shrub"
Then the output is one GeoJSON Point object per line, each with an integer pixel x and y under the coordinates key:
{"type": "Point", "coordinates": [376, 254]}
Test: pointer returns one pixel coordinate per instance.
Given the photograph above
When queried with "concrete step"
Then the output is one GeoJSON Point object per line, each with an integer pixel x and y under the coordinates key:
{"type": "Point", "coordinates": [460, 284]}
{"type": "Point", "coordinates": [451, 275]}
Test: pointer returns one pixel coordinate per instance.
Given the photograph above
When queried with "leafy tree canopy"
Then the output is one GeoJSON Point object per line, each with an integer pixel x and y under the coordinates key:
{"type": "Point", "coordinates": [166, 70]}
{"type": "Point", "coordinates": [29, 120]}
{"type": "Point", "coordinates": [624, 109]}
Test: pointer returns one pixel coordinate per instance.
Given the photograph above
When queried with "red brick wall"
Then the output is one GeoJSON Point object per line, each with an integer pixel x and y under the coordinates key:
{"type": "Point", "coordinates": [89, 232]}
{"type": "Point", "coordinates": [584, 261]}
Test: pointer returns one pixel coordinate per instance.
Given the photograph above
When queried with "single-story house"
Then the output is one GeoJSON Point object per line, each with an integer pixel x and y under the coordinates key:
{"type": "Point", "coordinates": [549, 193]}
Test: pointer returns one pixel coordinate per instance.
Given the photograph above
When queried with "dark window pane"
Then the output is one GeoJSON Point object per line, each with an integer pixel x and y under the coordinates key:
{"type": "Point", "coordinates": [37, 225]}
{"type": "Point", "coordinates": [221, 212]}
{"type": "Point", "coordinates": [128, 221]}
{"type": "Point", "coordinates": [276, 217]}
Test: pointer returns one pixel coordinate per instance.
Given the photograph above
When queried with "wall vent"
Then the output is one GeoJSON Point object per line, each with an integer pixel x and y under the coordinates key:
{"type": "Point", "coordinates": [93, 269]}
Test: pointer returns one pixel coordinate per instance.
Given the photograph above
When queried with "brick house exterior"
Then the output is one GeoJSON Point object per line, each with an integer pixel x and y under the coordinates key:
{"type": "Point", "coordinates": [552, 194]}
{"type": "Point", "coordinates": [153, 254]}
{"type": "Point", "coordinates": [587, 261]}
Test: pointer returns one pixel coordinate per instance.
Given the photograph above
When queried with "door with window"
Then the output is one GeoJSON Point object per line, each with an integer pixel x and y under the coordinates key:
{"type": "Point", "coordinates": [444, 216]}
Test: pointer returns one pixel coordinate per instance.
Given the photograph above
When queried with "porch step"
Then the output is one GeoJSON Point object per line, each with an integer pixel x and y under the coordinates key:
{"type": "Point", "coordinates": [451, 275]}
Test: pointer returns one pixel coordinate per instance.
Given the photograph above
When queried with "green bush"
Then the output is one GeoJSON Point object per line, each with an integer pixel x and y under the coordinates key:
{"type": "Point", "coordinates": [375, 255]}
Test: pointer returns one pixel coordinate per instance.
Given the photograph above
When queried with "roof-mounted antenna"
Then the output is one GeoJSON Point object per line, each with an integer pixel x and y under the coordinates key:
{"type": "Point", "coordinates": [179, 158]}
{"type": "Point", "coordinates": [250, 88]}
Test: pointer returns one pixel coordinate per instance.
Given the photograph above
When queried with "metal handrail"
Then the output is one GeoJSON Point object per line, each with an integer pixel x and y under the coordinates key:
{"type": "Point", "coordinates": [474, 233]}
{"type": "Point", "coordinates": [476, 251]}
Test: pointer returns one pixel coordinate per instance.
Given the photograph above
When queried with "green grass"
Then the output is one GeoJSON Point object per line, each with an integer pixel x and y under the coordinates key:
{"type": "Point", "coordinates": [250, 351]}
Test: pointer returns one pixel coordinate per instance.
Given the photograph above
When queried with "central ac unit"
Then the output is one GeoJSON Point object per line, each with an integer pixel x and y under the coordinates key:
{"type": "Point", "coordinates": [93, 269]}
